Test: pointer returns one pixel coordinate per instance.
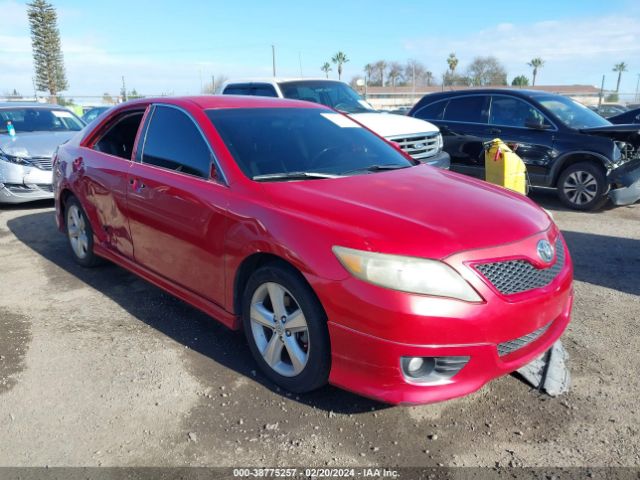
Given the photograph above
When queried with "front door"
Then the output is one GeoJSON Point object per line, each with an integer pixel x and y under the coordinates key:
{"type": "Point", "coordinates": [177, 212]}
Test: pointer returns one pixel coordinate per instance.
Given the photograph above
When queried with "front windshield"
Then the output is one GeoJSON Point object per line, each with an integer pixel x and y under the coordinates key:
{"type": "Point", "coordinates": [267, 141]}
{"type": "Point", "coordinates": [37, 119]}
{"type": "Point", "coordinates": [332, 94]}
{"type": "Point", "coordinates": [571, 113]}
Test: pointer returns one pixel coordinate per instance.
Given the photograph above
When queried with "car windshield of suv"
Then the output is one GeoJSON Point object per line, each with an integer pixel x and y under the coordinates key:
{"type": "Point", "coordinates": [571, 113]}
{"type": "Point", "coordinates": [332, 94]}
{"type": "Point", "coordinates": [299, 143]}
{"type": "Point", "coordinates": [35, 119]}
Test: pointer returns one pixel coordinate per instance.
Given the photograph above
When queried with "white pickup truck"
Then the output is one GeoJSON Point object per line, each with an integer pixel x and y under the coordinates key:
{"type": "Point", "coordinates": [418, 138]}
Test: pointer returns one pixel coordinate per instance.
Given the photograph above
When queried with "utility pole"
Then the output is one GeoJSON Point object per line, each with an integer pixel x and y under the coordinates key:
{"type": "Point", "coordinates": [213, 84]}
{"type": "Point", "coordinates": [273, 58]}
{"type": "Point", "coordinates": [637, 85]}
{"type": "Point", "coordinates": [601, 92]}
{"type": "Point", "coordinates": [300, 60]}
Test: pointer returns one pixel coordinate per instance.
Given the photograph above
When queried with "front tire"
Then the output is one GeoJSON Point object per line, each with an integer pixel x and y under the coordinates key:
{"type": "Point", "coordinates": [79, 234]}
{"type": "Point", "coordinates": [286, 328]}
{"type": "Point", "coordinates": [583, 186]}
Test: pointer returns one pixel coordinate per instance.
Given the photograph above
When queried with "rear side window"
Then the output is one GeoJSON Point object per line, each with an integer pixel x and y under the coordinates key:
{"type": "Point", "coordinates": [119, 138]}
{"type": "Point", "coordinates": [471, 109]}
{"type": "Point", "coordinates": [174, 142]}
{"type": "Point", "coordinates": [434, 111]}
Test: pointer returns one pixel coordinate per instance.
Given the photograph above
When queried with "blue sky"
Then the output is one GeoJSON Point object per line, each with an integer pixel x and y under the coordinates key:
{"type": "Point", "coordinates": [173, 46]}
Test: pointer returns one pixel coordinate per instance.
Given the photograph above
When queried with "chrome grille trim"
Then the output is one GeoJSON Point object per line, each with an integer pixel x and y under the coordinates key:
{"type": "Point", "coordinates": [517, 276]}
{"type": "Point", "coordinates": [43, 163]}
{"type": "Point", "coordinates": [420, 145]}
{"type": "Point", "coordinates": [511, 346]}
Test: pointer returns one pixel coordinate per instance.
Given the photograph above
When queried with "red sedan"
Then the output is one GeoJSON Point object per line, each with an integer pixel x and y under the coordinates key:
{"type": "Point", "coordinates": [343, 260]}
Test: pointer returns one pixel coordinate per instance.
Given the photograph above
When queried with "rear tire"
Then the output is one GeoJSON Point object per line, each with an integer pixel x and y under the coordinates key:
{"type": "Point", "coordinates": [79, 234]}
{"type": "Point", "coordinates": [582, 186]}
{"type": "Point", "coordinates": [286, 328]}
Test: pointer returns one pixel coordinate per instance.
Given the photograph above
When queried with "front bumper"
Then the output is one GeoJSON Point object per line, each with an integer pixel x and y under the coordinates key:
{"type": "Point", "coordinates": [626, 181]}
{"type": "Point", "coordinates": [371, 328]}
{"type": "Point", "coordinates": [21, 184]}
{"type": "Point", "coordinates": [441, 160]}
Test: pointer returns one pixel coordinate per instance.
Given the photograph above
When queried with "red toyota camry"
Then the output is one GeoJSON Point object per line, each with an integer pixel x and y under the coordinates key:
{"type": "Point", "coordinates": [341, 259]}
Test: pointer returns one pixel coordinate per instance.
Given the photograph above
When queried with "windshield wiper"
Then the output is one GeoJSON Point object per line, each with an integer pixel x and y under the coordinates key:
{"type": "Point", "coordinates": [376, 168]}
{"type": "Point", "coordinates": [293, 176]}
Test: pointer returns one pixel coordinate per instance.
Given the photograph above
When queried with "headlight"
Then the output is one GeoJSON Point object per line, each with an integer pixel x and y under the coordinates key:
{"type": "Point", "coordinates": [440, 143]}
{"type": "Point", "coordinates": [406, 274]}
{"type": "Point", "coordinates": [13, 159]}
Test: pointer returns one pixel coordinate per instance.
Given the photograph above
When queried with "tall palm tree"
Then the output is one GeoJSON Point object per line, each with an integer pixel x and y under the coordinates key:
{"type": "Point", "coordinates": [381, 67]}
{"type": "Point", "coordinates": [339, 59]}
{"type": "Point", "coordinates": [535, 63]}
{"type": "Point", "coordinates": [428, 77]}
{"type": "Point", "coordinates": [368, 70]}
{"type": "Point", "coordinates": [452, 61]}
{"type": "Point", "coordinates": [619, 67]}
{"type": "Point", "coordinates": [326, 68]}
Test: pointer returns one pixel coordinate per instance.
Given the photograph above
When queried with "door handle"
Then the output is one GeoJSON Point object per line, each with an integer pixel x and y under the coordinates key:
{"type": "Point", "coordinates": [495, 131]}
{"type": "Point", "coordinates": [77, 163]}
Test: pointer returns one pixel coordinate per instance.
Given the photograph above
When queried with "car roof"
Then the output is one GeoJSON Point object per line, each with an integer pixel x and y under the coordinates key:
{"type": "Point", "coordinates": [517, 92]}
{"type": "Point", "coordinates": [206, 102]}
{"type": "Point", "coordinates": [278, 80]}
{"type": "Point", "coordinates": [31, 105]}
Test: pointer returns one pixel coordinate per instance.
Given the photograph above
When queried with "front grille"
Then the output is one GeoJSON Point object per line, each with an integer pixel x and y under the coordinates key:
{"type": "Point", "coordinates": [43, 163]}
{"type": "Point", "coordinates": [511, 346]}
{"type": "Point", "coordinates": [422, 145]}
{"type": "Point", "coordinates": [516, 276]}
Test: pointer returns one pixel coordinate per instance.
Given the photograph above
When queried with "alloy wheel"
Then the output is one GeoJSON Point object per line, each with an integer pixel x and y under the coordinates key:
{"type": "Point", "coordinates": [580, 187]}
{"type": "Point", "coordinates": [279, 329]}
{"type": "Point", "coordinates": [77, 232]}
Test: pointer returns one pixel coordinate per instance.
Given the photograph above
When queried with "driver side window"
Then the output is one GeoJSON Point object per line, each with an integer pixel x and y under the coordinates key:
{"type": "Point", "coordinates": [513, 112]}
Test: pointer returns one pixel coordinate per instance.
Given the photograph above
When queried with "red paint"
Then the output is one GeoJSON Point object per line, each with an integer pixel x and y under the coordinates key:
{"type": "Point", "coordinates": [189, 236]}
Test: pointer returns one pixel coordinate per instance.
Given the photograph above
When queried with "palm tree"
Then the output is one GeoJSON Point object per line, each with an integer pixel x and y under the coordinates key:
{"type": "Point", "coordinates": [381, 67]}
{"type": "Point", "coordinates": [368, 70]}
{"type": "Point", "coordinates": [395, 71]}
{"type": "Point", "coordinates": [339, 59]}
{"type": "Point", "coordinates": [453, 62]}
{"type": "Point", "coordinates": [428, 77]}
{"type": "Point", "coordinates": [535, 63]}
{"type": "Point", "coordinates": [326, 68]}
{"type": "Point", "coordinates": [619, 67]}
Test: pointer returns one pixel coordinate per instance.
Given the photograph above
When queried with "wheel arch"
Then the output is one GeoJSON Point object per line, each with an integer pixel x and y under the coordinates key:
{"type": "Point", "coordinates": [572, 158]}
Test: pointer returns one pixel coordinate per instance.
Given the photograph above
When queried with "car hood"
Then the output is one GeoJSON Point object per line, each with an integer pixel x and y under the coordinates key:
{"type": "Point", "coordinates": [33, 144]}
{"type": "Point", "coordinates": [625, 132]}
{"type": "Point", "coordinates": [392, 125]}
{"type": "Point", "coordinates": [420, 211]}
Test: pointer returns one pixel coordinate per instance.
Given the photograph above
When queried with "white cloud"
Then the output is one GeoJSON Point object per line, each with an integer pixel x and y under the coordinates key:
{"type": "Point", "coordinates": [576, 51]}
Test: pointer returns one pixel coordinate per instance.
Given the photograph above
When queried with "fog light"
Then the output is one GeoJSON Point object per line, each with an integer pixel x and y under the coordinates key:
{"type": "Point", "coordinates": [431, 370]}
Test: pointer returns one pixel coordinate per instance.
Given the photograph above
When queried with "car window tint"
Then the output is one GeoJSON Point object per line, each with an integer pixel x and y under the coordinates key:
{"type": "Point", "coordinates": [513, 112]}
{"type": "Point", "coordinates": [173, 141]}
{"type": "Point", "coordinates": [237, 90]}
{"type": "Point", "coordinates": [472, 108]}
{"type": "Point", "coordinates": [434, 111]}
{"type": "Point", "coordinates": [276, 140]}
{"type": "Point", "coordinates": [120, 137]}
{"type": "Point", "coordinates": [264, 90]}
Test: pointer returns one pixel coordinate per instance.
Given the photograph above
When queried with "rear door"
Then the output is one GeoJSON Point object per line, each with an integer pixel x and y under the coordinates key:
{"type": "Point", "coordinates": [177, 208]}
{"type": "Point", "coordinates": [103, 167]}
{"type": "Point", "coordinates": [522, 126]}
{"type": "Point", "coordinates": [464, 129]}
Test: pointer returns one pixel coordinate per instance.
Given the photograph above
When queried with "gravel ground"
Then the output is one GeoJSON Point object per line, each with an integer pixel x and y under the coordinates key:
{"type": "Point", "coordinates": [98, 367]}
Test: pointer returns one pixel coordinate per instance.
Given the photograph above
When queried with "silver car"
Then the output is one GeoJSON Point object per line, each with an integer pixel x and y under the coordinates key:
{"type": "Point", "coordinates": [29, 136]}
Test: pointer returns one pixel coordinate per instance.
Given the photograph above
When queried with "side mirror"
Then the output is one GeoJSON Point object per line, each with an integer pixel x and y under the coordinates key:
{"type": "Point", "coordinates": [637, 119]}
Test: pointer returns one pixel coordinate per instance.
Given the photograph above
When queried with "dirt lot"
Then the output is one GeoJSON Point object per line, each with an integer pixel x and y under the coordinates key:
{"type": "Point", "coordinates": [98, 367]}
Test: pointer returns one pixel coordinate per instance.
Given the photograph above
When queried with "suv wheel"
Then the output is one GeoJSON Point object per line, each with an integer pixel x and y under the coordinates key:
{"type": "Point", "coordinates": [286, 328]}
{"type": "Point", "coordinates": [582, 186]}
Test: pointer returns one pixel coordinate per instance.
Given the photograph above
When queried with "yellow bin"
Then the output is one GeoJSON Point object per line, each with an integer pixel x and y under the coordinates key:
{"type": "Point", "coordinates": [503, 167]}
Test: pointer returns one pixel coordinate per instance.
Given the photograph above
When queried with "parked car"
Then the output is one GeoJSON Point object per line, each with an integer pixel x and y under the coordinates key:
{"type": "Point", "coordinates": [630, 116]}
{"type": "Point", "coordinates": [295, 223]}
{"type": "Point", "coordinates": [608, 110]}
{"type": "Point", "coordinates": [29, 134]}
{"type": "Point", "coordinates": [563, 144]}
{"type": "Point", "coordinates": [93, 113]}
{"type": "Point", "coordinates": [419, 139]}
